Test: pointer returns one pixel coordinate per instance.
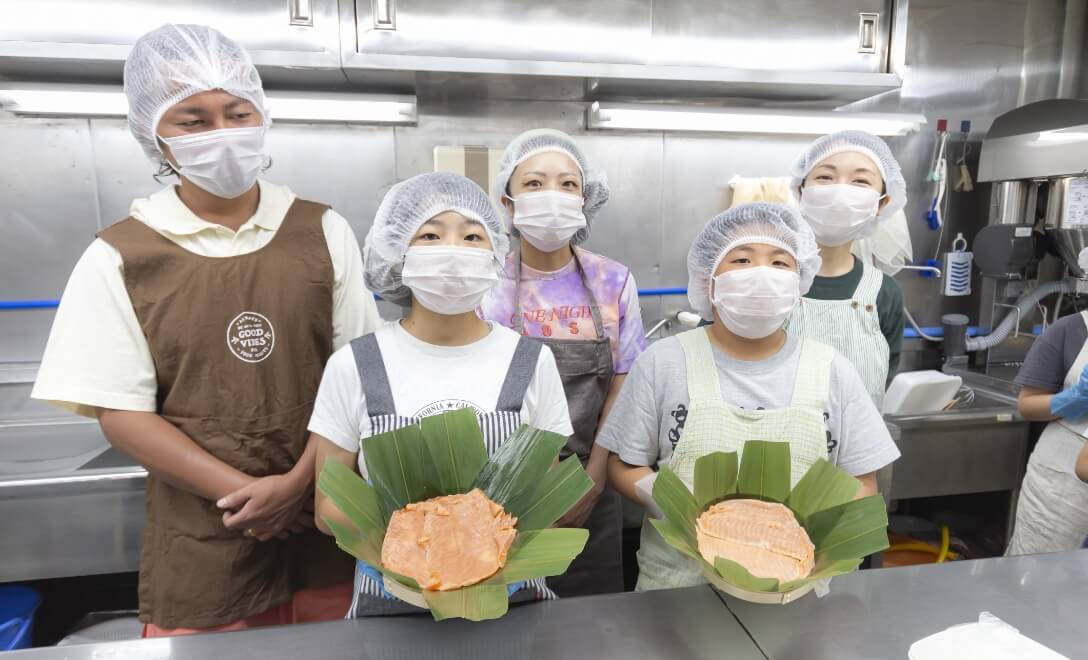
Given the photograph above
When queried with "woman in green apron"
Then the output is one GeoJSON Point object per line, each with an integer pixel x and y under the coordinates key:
{"type": "Point", "coordinates": [847, 184]}
{"type": "Point", "coordinates": [741, 378]}
{"type": "Point", "coordinates": [583, 306]}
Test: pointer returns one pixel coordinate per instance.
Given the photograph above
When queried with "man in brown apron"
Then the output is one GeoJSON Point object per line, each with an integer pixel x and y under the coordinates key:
{"type": "Point", "coordinates": [202, 324]}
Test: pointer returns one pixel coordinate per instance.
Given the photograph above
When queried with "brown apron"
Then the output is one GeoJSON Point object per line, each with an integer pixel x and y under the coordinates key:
{"type": "Point", "coordinates": [585, 367]}
{"type": "Point", "coordinates": [239, 344]}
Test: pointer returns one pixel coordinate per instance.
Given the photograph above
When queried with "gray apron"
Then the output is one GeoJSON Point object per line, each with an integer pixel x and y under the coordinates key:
{"type": "Point", "coordinates": [497, 427]}
{"type": "Point", "coordinates": [585, 367]}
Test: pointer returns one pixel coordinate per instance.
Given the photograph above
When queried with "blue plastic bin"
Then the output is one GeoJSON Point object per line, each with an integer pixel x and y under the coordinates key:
{"type": "Point", "coordinates": [17, 606]}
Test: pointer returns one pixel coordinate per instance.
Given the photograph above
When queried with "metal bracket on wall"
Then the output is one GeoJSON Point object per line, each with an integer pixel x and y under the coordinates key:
{"type": "Point", "coordinates": [385, 14]}
{"type": "Point", "coordinates": [1016, 310]}
{"type": "Point", "coordinates": [301, 12]}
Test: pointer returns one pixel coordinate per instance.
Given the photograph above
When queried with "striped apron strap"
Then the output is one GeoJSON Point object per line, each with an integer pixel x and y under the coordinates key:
{"type": "Point", "coordinates": [519, 375]}
{"type": "Point", "coordinates": [702, 374]}
{"type": "Point", "coordinates": [869, 286]}
{"type": "Point", "coordinates": [812, 386]}
{"type": "Point", "coordinates": [373, 376]}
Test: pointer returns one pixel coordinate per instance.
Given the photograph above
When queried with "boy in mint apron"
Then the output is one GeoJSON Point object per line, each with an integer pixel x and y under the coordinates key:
{"type": "Point", "coordinates": [741, 378]}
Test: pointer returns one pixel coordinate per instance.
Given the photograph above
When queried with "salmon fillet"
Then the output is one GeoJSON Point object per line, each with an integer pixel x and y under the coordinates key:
{"type": "Point", "coordinates": [449, 542]}
{"type": "Point", "coordinates": [763, 537]}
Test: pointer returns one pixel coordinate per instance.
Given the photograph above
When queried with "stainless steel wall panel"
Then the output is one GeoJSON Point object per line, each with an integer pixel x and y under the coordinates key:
{"type": "Point", "coordinates": [348, 167]}
{"type": "Point", "coordinates": [47, 213]}
{"type": "Point", "coordinates": [695, 186]}
{"type": "Point", "coordinates": [122, 171]}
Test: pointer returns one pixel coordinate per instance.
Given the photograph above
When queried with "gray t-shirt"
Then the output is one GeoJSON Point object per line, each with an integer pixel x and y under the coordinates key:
{"type": "Point", "coordinates": [1052, 355]}
{"type": "Point", "coordinates": [649, 414]}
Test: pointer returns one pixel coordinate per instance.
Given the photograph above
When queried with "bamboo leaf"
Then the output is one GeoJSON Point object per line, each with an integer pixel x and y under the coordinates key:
{"type": "Point", "coordinates": [395, 463]}
{"type": "Point", "coordinates": [823, 486]}
{"type": "Point", "coordinates": [675, 500]}
{"type": "Point", "coordinates": [356, 544]}
{"type": "Point", "coordinates": [738, 575]}
{"type": "Point", "coordinates": [824, 569]}
{"type": "Point", "coordinates": [678, 536]}
{"type": "Point", "coordinates": [352, 495]}
{"type": "Point", "coordinates": [542, 553]}
{"type": "Point", "coordinates": [554, 495]}
{"type": "Point", "coordinates": [715, 478]}
{"type": "Point", "coordinates": [480, 602]}
{"type": "Point", "coordinates": [851, 530]}
{"type": "Point", "coordinates": [455, 448]}
{"type": "Point", "coordinates": [519, 464]}
{"type": "Point", "coordinates": [765, 470]}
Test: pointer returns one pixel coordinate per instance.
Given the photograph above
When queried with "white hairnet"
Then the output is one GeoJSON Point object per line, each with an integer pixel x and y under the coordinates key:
{"type": "Point", "coordinates": [403, 211]}
{"type": "Point", "coordinates": [539, 140]}
{"type": "Point", "coordinates": [759, 222]}
{"type": "Point", "coordinates": [174, 62]}
{"type": "Point", "coordinates": [895, 186]}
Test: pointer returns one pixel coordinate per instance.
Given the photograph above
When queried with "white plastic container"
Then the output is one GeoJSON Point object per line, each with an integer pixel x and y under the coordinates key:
{"type": "Point", "coordinates": [917, 392]}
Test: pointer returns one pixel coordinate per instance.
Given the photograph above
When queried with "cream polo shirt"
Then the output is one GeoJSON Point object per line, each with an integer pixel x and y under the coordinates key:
{"type": "Point", "coordinates": [97, 355]}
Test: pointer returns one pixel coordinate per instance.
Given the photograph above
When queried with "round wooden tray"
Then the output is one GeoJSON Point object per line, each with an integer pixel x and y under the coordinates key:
{"type": "Point", "coordinates": [760, 597]}
{"type": "Point", "coordinates": [408, 595]}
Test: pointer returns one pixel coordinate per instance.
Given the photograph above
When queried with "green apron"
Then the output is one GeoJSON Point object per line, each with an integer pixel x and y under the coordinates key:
{"type": "Point", "coordinates": [714, 425]}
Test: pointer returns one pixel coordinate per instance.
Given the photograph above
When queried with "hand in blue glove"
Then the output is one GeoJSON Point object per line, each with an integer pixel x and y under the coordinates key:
{"type": "Point", "coordinates": [1073, 402]}
{"type": "Point", "coordinates": [373, 573]}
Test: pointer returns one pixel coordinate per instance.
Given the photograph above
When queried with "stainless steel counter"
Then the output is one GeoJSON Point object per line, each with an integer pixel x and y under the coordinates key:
{"type": "Point", "coordinates": [880, 613]}
{"type": "Point", "coordinates": [978, 448]}
{"type": "Point", "coordinates": [680, 623]}
{"type": "Point", "coordinates": [83, 522]}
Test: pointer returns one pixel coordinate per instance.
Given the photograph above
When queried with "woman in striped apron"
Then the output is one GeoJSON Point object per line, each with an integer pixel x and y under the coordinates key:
{"type": "Point", "coordinates": [584, 307]}
{"type": "Point", "coordinates": [742, 378]}
{"type": "Point", "coordinates": [847, 183]}
{"type": "Point", "coordinates": [435, 247]}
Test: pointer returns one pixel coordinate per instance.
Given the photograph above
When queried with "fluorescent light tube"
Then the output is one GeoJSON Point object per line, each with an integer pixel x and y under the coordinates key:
{"type": "Point", "coordinates": [632, 116]}
{"type": "Point", "coordinates": [64, 100]}
{"type": "Point", "coordinates": [110, 101]}
{"type": "Point", "coordinates": [342, 108]}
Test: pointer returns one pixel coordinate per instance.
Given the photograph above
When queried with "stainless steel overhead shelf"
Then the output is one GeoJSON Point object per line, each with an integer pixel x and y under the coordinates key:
{"type": "Point", "coordinates": [748, 51]}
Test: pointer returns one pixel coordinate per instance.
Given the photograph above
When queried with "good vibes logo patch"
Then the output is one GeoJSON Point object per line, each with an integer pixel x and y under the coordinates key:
{"type": "Point", "coordinates": [250, 337]}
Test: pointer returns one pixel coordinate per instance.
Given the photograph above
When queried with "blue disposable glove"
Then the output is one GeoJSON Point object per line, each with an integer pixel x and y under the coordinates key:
{"type": "Point", "coordinates": [511, 589]}
{"type": "Point", "coordinates": [373, 573]}
{"type": "Point", "coordinates": [1073, 402]}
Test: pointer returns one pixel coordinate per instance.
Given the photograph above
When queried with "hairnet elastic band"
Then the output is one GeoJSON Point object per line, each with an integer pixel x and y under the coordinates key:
{"type": "Point", "coordinates": [746, 240]}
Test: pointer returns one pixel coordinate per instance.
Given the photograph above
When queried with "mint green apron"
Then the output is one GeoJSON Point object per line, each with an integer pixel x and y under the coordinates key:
{"type": "Point", "coordinates": [851, 327]}
{"type": "Point", "coordinates": [714, 425]}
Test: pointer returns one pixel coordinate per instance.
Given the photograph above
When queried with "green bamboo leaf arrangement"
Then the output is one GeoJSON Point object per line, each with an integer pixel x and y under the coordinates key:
{"type": "Point", "coordinates": [843, 530]}
{"type": "Point", "coordinates": [445, 455]}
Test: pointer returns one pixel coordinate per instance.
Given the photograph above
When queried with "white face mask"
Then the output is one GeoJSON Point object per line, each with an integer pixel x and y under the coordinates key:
{"type": "Point", "coordinates": [838, 213]}
{"type": "Point", "coordinates": [449, 280]}
{"type": "Point", "coordinates": [225, 162]}
{"type": "Point", "coordinates": [548, 219]}
{"type": "Point", "coordinates": [754, 302]}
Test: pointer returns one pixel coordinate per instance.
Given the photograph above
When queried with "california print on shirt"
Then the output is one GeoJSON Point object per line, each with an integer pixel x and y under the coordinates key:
{"type": "Point", "coordinates": [445, 406]}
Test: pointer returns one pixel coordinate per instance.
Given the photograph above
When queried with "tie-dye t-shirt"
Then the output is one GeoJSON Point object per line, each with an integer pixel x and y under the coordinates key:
{"type": "Point", "coordinates": [556, 305]}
